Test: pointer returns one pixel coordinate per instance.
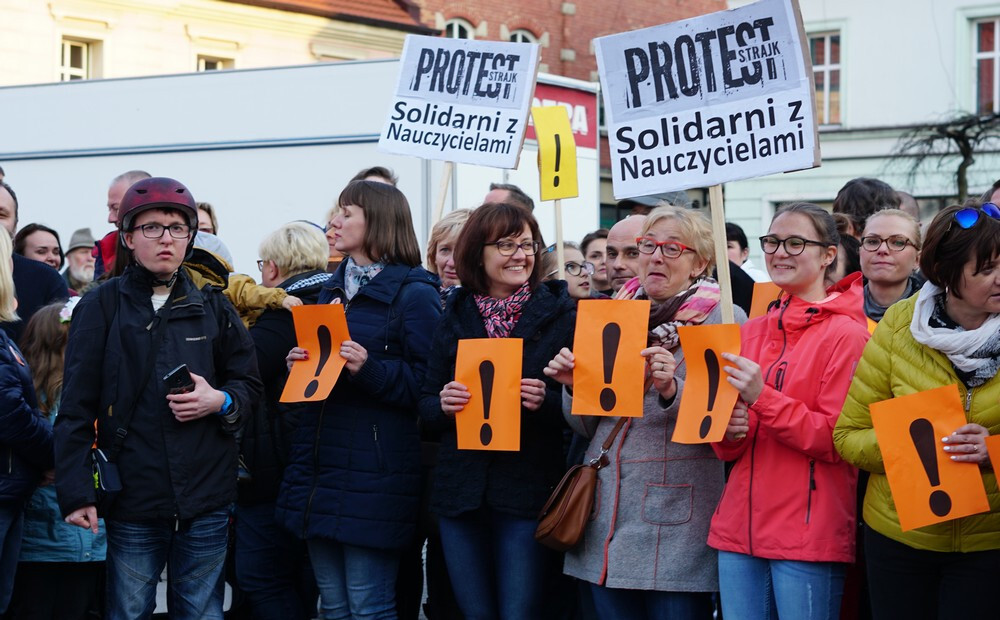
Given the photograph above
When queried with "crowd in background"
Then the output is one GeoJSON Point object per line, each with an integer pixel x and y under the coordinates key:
{"type": "Point", "coordinates": [121, 462]}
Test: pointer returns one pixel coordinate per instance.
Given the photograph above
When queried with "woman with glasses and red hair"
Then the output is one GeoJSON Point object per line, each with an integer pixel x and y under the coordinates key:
{"type": "Point", "coordinates": [785, 525]}
{"type": "Point", "coordinates": [947, 334]}
{"type": "Point", "coordinates": [488, 501]}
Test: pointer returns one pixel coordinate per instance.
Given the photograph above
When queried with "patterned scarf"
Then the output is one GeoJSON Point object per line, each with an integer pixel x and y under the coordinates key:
{"type": "Point", "coordinates": [689, 307]}
{"type": "Point", "coordinates": [501, 315]}
{"type": "Point", "coordinates": [356, 276]}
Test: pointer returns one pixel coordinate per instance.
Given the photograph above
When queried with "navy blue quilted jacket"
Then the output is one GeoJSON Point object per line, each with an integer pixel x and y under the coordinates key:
{"type": "Point", "coordinates": [353, 471]}
{"type": "Point", "coordinates": [25, 436]}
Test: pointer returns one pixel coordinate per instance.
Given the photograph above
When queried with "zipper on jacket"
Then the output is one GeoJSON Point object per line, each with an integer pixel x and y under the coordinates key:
{"type": "Point", "coordinates": [812, 487]}
{"type": "Point", "coordinates": [968, 399]}
{"type": "Point", "coordinates": [378, 449]}
{"type": "Point", "coordinates": [315, 480]}
{"type": "Point", "coordinates": [10, 461]}
{"type": "Point", "coordinates": [784, 342]}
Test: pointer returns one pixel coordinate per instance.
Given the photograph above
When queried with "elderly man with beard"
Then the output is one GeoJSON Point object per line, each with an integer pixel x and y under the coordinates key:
{"type": "Point", "coordinates": [79, 272]}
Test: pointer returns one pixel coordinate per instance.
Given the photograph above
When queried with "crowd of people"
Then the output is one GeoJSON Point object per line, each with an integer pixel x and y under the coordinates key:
{"type": "Point", "coordinates": [143, 429]}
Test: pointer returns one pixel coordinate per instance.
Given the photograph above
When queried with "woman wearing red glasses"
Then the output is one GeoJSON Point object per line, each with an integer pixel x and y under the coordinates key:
{"type": "Point", "coordinates": [947, 334]}
{"type": "Point", "coordinates": [785, 525]}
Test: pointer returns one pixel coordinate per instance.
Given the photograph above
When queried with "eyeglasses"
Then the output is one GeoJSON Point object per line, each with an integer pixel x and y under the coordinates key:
{"type": "Point", "coordinates": [260, 264]}
{"type": "Point", "coordinates": [793, 245]}
{"type": "Point", "coordinates": [968, 217]}
{"type": "Point", "coordinates": [155, 231]}
{"type": "Point", "coordinates": [670, 249]}
{"type": "Point", "coordinates": [895, 243]}
{"type": "Point", "coordinates": [506, 247]}
{"type": "Point", "coordinates": [575, 269]}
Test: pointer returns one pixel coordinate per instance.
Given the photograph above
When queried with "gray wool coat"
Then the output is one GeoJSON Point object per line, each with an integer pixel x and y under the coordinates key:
{"type": "Point", "coordinates": [654, 501]}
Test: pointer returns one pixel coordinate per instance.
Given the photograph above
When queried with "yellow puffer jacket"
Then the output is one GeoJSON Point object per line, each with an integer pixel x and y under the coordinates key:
{"type": "Point", "coordinates": [894, 364]}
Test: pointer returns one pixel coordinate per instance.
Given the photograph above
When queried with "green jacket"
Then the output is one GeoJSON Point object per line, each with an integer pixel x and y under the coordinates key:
{"type": "Point", "coordinates": [894, 364]}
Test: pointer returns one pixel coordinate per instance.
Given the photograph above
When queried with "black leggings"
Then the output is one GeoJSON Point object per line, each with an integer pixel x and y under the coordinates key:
{"type": "Point", "coordinates": [914, 584]}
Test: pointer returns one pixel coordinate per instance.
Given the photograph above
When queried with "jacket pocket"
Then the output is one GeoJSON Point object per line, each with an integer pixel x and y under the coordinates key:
{"type": "Point", "coordinates": [812, 487]}
{"type": "Point", "coordinates": [668, 504]}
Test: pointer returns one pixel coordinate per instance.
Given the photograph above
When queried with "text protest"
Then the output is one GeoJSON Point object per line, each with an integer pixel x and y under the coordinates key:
{"type": "Point", "coordinates": [707, 100]}
{"type": "Point", "coordinates": [461, 100]}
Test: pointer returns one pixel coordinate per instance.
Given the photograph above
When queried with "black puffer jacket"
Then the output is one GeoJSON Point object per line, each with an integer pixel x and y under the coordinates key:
{"type": "Point", "coordinates": [169, 469]}
{"type": "Point", "coordinates": [517, 483]}
{"type": "Point", "coordinates": [25, 436]}
{"type": "Point", "coordinates": [267, 434]}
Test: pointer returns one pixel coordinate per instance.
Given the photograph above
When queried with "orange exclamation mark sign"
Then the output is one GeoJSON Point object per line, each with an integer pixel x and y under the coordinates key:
{"type": "Point", "coordinates": [610, 338]}
{"type": "Point", "coordinates": [325, 348]}
{"type": "Point", "coordinates": [486, 374]}
{"type": "Point", "coordinates": [922, 434]}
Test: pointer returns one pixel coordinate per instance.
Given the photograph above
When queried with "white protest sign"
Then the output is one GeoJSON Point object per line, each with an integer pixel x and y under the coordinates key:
{"type": "Point", "coordinates": [716, 98]}
{"type": "Point", "coordinates": [461, 100]}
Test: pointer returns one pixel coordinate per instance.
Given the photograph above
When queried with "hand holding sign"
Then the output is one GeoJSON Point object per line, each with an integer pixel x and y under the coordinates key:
{"type": "Point", "coordinates": [608, 369]}
{"type": "Point", "coordinates": [926, 486]}
{"type": "Point", "coordinates": [320, 330]}
{"type": "Point", "coordinates": [708, 399]}
{"type": "Point", "coordinates": [490, 368]}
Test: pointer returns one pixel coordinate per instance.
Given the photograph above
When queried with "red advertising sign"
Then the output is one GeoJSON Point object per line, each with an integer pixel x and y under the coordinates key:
{"type": "Point", "coordinates": [581, 106]}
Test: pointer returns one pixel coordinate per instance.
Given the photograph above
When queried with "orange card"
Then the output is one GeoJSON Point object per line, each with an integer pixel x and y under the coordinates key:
{"type": "Point", "coordinates": [608, 373]}
{"type": "Point", "coordinates": [926, 485]}
{"type": "Point", "coordinates": [319, 329]}
{"type": "Point", "coordinates": [763, 294]}
{"type": "Point", "coordinates": [708, 399]}
{"type": "Point", "coordinates": [993, 445]}
{"type": "Point", "coordinates": [871, 326]}
{"type": "Point", "coordinates": [491, 369]}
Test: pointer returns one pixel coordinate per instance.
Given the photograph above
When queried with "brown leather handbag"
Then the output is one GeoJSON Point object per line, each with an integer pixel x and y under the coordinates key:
{"type": "Point", "coordinates": [564, 517]}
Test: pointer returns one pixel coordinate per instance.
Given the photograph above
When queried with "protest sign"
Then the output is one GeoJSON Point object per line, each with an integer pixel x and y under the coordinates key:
{"type": "Point", "coordinates": [491, 370]}
{"type": "Point", "coordinates": [927, 487]}
{"type": "Point", "coordinates": [608, 372]}
{"type": "Point", "coordinates": [461, 100]}
{"type": "Point", "coordinates": [702, 101]}
{"type": "Point", "coordinates": [320, 330]}
{"type": "Point", "coordinates": [556, 154]}
{"type": "Point", "coordinates": [708, 399]}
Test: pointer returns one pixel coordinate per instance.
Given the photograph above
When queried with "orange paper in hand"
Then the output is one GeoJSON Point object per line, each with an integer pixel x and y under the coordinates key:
{"type": "Point", "coordinates": [927, 487]}
{"type": "Point", "coordinates": [320, 330]}
{"type": "Point", "coordinates": [491, 370]}
{"type": "Point", "coordinates": [608, 372]}
{"type": "Point", "coordinates": [763, 294]}
{"type": "Point", "coordinates": [708, 399]}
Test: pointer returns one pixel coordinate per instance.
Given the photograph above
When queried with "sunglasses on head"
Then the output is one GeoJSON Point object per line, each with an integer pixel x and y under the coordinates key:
{"type": "Point", "coordinates": [968, 217]}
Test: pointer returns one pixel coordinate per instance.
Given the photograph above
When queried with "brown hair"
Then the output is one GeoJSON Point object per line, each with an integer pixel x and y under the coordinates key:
{"type": "Point", "coordinates": [948, 247]}
{"type": "Point", "coordinates": [861, 197]}
{"type": "Point", "coordinates": [44, 347]}
{"type": "Point", "coordinates": [389, 236]}
{"type": "Point", "coordinates": [492, 222]}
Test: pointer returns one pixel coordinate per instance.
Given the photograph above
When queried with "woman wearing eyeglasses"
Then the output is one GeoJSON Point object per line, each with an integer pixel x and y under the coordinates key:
{"type": "Point", "coordinates": [578, 271]}
{"type": "Point", "coordinates": [488, 501]}
{"type": "Point", "coordinates": [949, 333]}
{"type": "Point", "coordinates": [785, 525]}
{"type": "Point", "coordinates": [890, 251]}
{"type": "Point", "coordinates": [643, 554]}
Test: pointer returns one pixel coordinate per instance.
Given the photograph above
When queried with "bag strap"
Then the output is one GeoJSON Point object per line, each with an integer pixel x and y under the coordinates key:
{"type": "Point", "coordinates": [159, 330]}
{"type": "Point", "coordinates": [601, 459]}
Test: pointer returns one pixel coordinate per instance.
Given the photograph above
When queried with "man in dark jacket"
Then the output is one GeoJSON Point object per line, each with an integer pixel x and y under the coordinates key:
{"type": "Point", "coordinates": [175, 452]}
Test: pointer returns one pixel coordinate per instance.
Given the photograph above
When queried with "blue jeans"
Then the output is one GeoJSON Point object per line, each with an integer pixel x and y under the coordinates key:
{"type": "Point", "coordinates": [11, 523]}
{"type": "Point", "coordinates": [354, 582]}
{"type": "Point", "coordinates": [757, 588]}
{"type": "Point", "coordinates": [272, 566]}
{"type": "Point", "coordinates": [651, 604]}
{"type": "Point", "coordinates": [196, 550]}
{"type": "Point", "coordinates": [497, 568]}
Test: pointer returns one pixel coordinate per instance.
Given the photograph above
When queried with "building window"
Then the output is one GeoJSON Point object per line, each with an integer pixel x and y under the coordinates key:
{"type": "Point", "coordinates": [212, 63]}
{"type": "Point", "coordinates": [75, 64]}
{"type": "Point", "coordinates": [523, 36]}
{"type": "Point", "coordinates": [825, 51]}
{"type": "Point", "coordinates": [459, 29]}
{"type": "Point", "coordinates": [988, 66]}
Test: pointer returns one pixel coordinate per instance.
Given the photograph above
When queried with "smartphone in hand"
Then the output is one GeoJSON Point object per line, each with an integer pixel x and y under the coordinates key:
{"type": "Point", "coordinates": [179, 381]}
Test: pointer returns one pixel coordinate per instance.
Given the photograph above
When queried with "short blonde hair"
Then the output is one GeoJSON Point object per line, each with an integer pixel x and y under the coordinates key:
{"type": "Point", "coordinates": [911, 222]}
{"type": "Point", "coordinates": [296, 247]}
{"type": "Point", "coordinates": [447, 226]}
{"type": "Point", "coordinates": [8, 299]}
{"type": "Point", "coordinates": [695, 228]}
